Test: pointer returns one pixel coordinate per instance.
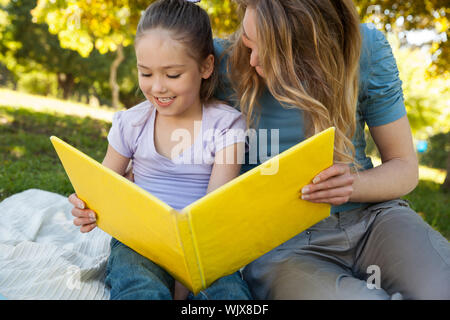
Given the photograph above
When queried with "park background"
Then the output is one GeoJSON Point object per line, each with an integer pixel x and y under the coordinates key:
{"type": "Point", "coordinates": [67, 66]}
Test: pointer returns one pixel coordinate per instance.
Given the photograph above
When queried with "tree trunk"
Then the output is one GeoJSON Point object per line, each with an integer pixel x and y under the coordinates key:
{"type": "Point", "coordinates": [113, 77]}
{"type": "Point", "coordinates": [446, 184]}
{"type": "Point", "coordinates": [66, 82]}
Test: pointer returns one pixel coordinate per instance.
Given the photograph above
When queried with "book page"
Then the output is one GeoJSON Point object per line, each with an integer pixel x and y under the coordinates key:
{"type": "Point", "coordinates": [256, 212]}
{"type": "Point", "coordinates": [125, 211]}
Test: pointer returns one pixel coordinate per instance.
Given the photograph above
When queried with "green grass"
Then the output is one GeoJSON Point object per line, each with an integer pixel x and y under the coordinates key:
{"type": "Point", "coordinates": [28, 160]}
{"type": "Point", "coordinates": [432, 204]}
{"type": "Point", "coordinates": [27, 157]}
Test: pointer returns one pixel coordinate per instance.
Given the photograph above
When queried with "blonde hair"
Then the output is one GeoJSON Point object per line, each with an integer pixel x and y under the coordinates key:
{"type": "Point", "coordinates": [309, 52]}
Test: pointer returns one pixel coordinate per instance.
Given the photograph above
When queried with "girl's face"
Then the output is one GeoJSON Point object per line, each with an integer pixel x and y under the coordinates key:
{"type": "Point", "coordinates": [168, 77]}
{"type": "Point", "coordinates": [249, 38]}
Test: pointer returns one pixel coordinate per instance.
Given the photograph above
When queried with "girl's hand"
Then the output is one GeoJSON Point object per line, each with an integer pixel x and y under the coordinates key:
{"type": "Point", "coordinates": [333, 185]}
{"type": "Point", "coordinates": [85, 218]}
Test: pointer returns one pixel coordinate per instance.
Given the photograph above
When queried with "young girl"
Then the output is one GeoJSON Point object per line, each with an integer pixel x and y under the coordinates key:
{"type": "Point", "coordinates": [175, 60]}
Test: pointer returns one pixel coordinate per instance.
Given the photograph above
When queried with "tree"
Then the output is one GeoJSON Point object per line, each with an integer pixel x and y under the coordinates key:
{"type": "Point", "coordinates": [223, 15]}
{"type": "Point", "coordinates": [400, 16]}
{"type": "Point", "coordinates": [82, 25]}
{"type": "Point", "coordinates": [29, 47]}
{"type": "Point", "coordinates": [110, 25]}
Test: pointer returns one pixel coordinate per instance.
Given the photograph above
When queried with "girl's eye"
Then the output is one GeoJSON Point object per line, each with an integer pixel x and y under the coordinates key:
{"type": "Point", "coordinates": [146, 74]}
{"type": "Point", "coordinates": [173, 76]}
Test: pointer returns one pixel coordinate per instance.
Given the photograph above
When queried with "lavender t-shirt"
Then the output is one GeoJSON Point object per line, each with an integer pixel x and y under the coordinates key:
{"type": "Point", "coordinates": [184, 179]}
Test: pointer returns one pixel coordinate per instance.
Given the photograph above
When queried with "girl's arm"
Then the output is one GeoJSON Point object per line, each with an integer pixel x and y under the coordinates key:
{"type": "Point", "coordinates": [227, 165]}
{"type": "Point", "coordinates": [115, 161]}
{"type": "Point", "coordinates": [85, 218]}
{"type": "Point", "coordinates": [395, 177]}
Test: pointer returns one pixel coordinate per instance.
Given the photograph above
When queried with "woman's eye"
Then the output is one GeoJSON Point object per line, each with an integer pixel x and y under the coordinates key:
{"type": "Point", "coordinates": [146, 74]}
{"type": "Point", "coordinates": [173, 76]}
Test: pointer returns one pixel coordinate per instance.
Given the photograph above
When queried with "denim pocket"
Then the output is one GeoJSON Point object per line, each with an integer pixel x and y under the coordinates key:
{"type": "Point", "coordinates": [376, 208]}
{"type": "Point", "coordinates": [329, 239]}
{"type": "Point", "coordinates": [114, 243]}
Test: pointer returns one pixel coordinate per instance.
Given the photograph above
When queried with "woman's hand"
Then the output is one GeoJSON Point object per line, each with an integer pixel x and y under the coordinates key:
{"type": "Point", "coordinates": [333, 185]}
{"type": "Point", "coordinates": [85, 218]}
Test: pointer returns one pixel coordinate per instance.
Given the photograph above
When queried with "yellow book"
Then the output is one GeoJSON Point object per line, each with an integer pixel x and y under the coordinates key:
{"type": "Point", "coordinates": [217, 234]}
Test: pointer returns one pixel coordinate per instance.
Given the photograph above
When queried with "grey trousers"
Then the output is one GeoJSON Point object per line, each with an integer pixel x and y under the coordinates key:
{"type": "Point", "coordinates": [381, 251]}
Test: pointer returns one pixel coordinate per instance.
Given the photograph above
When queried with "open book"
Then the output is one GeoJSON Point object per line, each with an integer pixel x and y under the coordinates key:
{"type": "Point", "coordinates": [217, 234]}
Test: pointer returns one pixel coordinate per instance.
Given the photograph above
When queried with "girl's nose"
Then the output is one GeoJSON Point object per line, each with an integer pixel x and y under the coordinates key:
{"type": "Point", "coordinates": [159, 86]}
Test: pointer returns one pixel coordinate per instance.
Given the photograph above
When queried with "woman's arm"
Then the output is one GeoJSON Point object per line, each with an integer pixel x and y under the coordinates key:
{"type": "Point", "coordinates": [398, 174]}
{"type": "Point", "coordinates": [395, 177]}
{"type": "Point", "coordinates": [85, 218]}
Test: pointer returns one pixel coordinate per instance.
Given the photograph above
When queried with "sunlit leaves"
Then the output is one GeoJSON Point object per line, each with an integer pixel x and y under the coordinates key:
{"type": "Point", "coordinates": [398, 16]}
{"type": "Point", "coordinates": [83, 24]}
{"type": "Point", "coordinates": [106, 24]}
{"type": "Point", "coordinates": [224, 19]}
{"type": "Point", "coordinates": [427, 99]}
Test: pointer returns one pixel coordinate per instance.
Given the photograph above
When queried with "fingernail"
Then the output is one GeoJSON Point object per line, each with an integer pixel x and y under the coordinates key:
{"type": "Point", "coordinates": [316, 179]}
{"type": "Point", "coordinates": [305, 190]}
{"type": "Point", "coordinates": [305, 197]}
{"type": "Point", "coordinates": [92, 217]}
{"type": "Point", "coordinates": [81, 205]}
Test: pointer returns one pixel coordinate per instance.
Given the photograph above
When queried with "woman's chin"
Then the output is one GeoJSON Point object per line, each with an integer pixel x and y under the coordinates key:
{"type": "Point", "coordinates": [259, 71]}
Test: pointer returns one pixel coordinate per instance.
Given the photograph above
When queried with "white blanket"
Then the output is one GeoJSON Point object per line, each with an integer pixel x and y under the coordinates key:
{"type": "Point", "coordinates": [43, 255]}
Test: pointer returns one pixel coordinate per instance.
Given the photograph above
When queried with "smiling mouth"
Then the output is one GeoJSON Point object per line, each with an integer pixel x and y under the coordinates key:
{"type": "Point", "coordinates": [164, 100]}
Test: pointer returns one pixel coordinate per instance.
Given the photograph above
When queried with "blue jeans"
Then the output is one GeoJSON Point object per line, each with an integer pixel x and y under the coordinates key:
{"type": "Point", "coordinates": [131, 276]}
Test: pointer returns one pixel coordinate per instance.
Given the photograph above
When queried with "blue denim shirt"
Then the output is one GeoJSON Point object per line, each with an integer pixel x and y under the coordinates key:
{"type": "Point", "coordinates": [380, 101]}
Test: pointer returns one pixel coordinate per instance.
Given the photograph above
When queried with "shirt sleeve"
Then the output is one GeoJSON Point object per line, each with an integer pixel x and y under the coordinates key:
{"type": "Point", "coordinates": [384, 102]}
{"type": "Point", "coordinates": [117, 136]}
{"type": "Point", "coordinates": [232, 130]}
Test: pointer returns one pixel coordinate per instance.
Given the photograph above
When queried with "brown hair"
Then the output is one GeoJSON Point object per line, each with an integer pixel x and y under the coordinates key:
{"type": "Point", "coordinates": [190, 25]}
{"type": "Point", "coordinates": [309, 51]}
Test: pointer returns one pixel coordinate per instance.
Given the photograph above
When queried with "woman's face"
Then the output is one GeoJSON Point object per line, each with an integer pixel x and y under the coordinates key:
{"type": "Point", "coordinates": [249, 38]}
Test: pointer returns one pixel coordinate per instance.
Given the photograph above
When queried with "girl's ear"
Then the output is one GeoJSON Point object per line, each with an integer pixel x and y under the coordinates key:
{"type": "Point", "coordinates": [207, 67]}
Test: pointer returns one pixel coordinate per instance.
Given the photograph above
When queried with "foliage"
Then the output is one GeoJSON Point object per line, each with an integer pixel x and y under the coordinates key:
{"type": "Point", "coordinates": [27, 47]}
{"type": "Point", "coordinates": [399, 16]}
{"type": "Point", "coordinates": [224, 19]}
{"type": "Point", "coordinates": [438, 149]}
{"type": "Point", "coordinates": [427, 99]}
{"type": "Point", "coordinates": [432, 204]}
{"type": "Point", "coordinates": [82, 25]}
{"type": "Point", "coordinates": [36, 82]}
{"type": "Point", "coordinates": [29, 51]}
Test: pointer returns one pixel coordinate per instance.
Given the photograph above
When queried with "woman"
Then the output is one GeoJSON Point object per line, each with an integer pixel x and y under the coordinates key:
{"type": "Point", "coordinates": [300, 66]}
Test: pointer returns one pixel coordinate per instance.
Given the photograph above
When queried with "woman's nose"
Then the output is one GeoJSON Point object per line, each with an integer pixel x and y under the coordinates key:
{"type": "Point", "coordinates": [254, 60]}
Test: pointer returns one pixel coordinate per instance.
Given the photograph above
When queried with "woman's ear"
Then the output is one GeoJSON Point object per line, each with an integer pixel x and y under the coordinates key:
{"type": "Point", "coordinates": [207, 67]}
